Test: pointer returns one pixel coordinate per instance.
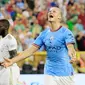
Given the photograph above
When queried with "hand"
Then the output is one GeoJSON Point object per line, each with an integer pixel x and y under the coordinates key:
{"type": "Point", "coordinates": [73, 60]}
{"type": "Point", "coordinates": [7, 62]}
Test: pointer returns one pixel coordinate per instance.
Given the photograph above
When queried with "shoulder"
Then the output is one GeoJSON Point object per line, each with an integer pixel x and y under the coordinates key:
{"type": "Point", "coordinates": [45, 31]}
{"type": "Point", "coordinates": [10, 37]}
{"type": "Point", "coordinates": [64, 29]}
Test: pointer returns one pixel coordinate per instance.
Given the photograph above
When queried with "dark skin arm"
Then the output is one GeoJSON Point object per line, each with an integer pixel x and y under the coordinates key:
{"type": "Point", "coordinates": [13, 53]}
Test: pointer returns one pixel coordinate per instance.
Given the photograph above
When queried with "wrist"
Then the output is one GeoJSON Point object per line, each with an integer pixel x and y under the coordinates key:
{"type": "Point", "coordinates": [12, 61]}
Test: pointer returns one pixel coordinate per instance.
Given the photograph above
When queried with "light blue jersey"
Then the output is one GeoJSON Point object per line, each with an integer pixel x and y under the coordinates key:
{"type": "Point", "coordinates": [57, 61]}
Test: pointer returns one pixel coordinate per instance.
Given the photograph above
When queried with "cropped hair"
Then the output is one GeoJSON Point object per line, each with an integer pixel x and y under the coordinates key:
{"type": "Point", "coordinates": [5, 23]}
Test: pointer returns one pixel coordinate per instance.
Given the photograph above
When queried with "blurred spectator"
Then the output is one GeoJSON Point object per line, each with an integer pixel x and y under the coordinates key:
{"type": "Point", "coordinates": [82, 61]}
{"type": "Point", "coordinates": [19, 26]}
{"type": "Point", "coordinates": [82, 17]}
{"type": "Point", "coordinates": [36, 28]}
{"type": "Point", "coordinates": [26, 68]}
{"type": "Point", "coordinates": [60, 3]}
{"type": "Point", "coordinates": [19, 44]}
{"type": "Point", "coordinates": [53, 4]}
{"type": "Point", "coordinates": [26, 13]}
{"type": "Point", "coordinates": [72, 17]}
{"type": "Point", "coordinates": [12, 11]}
{"type": "Point", "coordinates": [1, 15]}
{"type": "Point", "coordinates": [42, 17]}
{"type": "Point", "coordinates": [6, 15]}
{"type": "Point", "coordinates": [78, 27]}
{"type": "Point", "coordinates": [34, 70]}
{"type": "Point", "coordinates": [64, 11]}
{"type": "Point", "coordinates": [9, 6]}
{"type": "Point", "coordinates": [71, 2]}
{"type": "Point", "coordinates": [25, 22]}
{"type": "Point", "coordinates": [22, 40]}
{"type": "Point", "coordinates": [80, 39]}
{"type": "Point", "coordinates": [30, 4]}
{"type": "Point", "coordinates": [41, 67]}
{"type": "Point", "coordinates": [81, 64]}
{"type": "Point", "coordinates": [28, 39]}
{"type": "Point", "coordinates": [19, 12]}
{"type": "Point", "coordinates": [30, 16]}
{"type": "Point", "coordinates": [20, 4]}
{"type": "Point", "coordinates": [3, 2]}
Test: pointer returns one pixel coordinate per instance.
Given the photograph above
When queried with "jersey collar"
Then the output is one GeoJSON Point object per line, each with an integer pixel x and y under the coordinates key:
{"type": "Point", "coordinates": [56, 29]}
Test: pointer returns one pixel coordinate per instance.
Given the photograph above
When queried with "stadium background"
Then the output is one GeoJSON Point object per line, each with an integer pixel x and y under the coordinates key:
{"type": "Point", "coordinates": [29, 17]}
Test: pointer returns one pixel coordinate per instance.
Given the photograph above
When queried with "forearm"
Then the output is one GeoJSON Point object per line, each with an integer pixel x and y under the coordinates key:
{"type": "Point", "coordinates": [27, 53]}
{"type": "Point", "coordinates": [70, 47]}
{"type": "Point", "coordinates": [71, 50]}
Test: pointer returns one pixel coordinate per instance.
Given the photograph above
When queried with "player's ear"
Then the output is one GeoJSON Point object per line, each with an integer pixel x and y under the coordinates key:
{"type": "Point", "coordinates": [59, 17]}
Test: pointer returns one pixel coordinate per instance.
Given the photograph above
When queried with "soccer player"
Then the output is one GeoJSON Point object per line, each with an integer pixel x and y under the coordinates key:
{"type": "Point", "coordinates": [8, 49]}
{"type": "Point", "coordinates": [59, 44]}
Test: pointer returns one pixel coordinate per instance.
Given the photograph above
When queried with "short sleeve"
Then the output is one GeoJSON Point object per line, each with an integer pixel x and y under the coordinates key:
{"type": "Point", "coordinates": [39, 40]}
{"type": "Point", "coordinates": [12, 43]}
{"type": "Point", "coordinates": [69, 37]}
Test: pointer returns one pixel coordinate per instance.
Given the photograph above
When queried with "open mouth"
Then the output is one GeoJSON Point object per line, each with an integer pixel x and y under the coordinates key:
{"type": "Point", "coordinates": [51, 16]}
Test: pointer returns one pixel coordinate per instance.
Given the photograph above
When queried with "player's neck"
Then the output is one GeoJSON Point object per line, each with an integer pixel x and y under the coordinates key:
{"type": "Point", "coordinates": [55, 26]}
{"type": "Point", "coordinates": [5, 33]}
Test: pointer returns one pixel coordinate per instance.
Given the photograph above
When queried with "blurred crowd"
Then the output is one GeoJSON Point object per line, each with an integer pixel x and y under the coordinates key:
{"type": "Point", "coordinates": [28, 18]}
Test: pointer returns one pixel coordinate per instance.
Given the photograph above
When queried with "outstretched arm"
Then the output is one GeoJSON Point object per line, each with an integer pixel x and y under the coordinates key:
{"type": "Point", "coordinates": [28, 52]}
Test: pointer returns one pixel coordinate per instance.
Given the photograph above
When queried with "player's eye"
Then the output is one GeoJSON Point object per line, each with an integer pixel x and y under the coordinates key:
{"type": "Point", "coordinates": [54, 11]}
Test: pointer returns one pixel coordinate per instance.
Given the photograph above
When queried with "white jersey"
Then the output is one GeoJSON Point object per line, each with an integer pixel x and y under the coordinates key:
{"type": "Point", "coordinates": [10, 75]}
{"type": "Point", "coordinates": [8, 43]}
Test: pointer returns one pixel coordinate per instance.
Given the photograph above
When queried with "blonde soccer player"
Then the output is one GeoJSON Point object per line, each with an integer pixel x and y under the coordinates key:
{"type": "Point", "coordinates": [59, 44]}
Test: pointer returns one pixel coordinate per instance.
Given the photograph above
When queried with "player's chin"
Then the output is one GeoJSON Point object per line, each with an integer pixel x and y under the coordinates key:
{"type": "Point", "coordinates": [50, 20]}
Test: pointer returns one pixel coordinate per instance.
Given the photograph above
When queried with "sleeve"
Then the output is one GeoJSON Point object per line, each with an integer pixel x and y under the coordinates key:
{"type": "Point", "coordinates": [39, 40]}
{"type": "Point", "coordinates": [69, 37]}
{"type": "Point", "coordinates": [12, 44]}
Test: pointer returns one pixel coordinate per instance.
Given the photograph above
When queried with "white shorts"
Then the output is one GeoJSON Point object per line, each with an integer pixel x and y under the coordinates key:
{"type": "Point", "coordinates": [10, 75]}
{"type": "Point", "coordinates": [58, 80]}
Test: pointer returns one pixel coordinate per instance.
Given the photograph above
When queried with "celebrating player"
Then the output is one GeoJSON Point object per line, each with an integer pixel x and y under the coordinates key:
{"type": "Point", "coordinates": [59, 44]}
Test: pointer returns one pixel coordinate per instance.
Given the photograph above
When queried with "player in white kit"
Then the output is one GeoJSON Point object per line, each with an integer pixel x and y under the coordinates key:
{"type": "Point", "coordinates": [8, 49]}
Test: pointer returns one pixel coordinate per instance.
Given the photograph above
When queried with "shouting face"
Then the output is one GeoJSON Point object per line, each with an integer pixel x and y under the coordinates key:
{"type": "Point", "coordinates": [54, 14]}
